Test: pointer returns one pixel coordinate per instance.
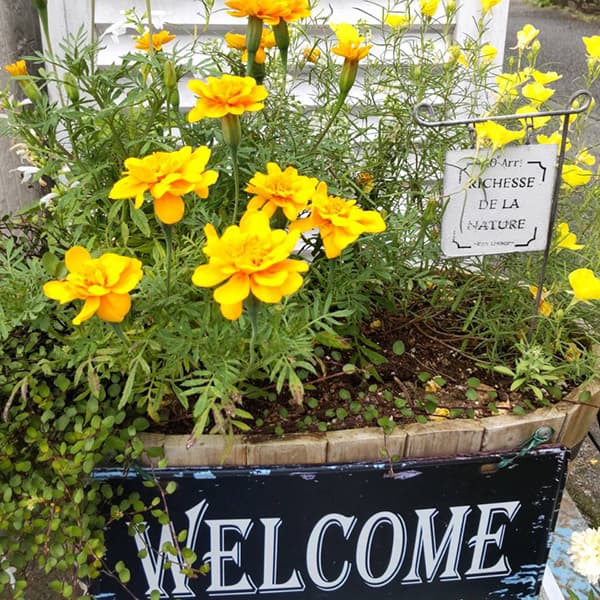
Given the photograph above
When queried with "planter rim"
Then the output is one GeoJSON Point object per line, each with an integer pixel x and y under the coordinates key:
{"type": "Point", "coordinates": [569, 418]}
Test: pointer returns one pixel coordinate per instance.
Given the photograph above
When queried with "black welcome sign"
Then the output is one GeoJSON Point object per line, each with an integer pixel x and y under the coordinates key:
{"type": "Point", "coordinates": [429, 529]}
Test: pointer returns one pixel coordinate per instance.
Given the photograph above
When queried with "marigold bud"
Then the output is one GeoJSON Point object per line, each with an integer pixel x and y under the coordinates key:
{"type": "Point", "coordinates": [348, 75]}
{"type": "Point", "coordinates": [232, 130]}
{"type": "Point", "coordinates": [71, 88]}
{"type": "Point", "coordinates": [170, 75]}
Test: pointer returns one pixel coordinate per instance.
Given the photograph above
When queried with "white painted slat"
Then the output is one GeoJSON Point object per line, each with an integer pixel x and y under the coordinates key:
{"type": "Point", "coordinates": [187, 19]}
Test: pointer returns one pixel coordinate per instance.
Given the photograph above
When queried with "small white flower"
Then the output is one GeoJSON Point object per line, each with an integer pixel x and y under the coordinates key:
{"type": "Point", "coordinates": [46, 200]}
{"type": "Point", "coordinates": [26, 173]}
{"type": "Point", "coordinates": [585, 553]}
{"type": "Point", "coordinates": [159, 18]}
{"type": "Point", "coordinates": [115, 30]}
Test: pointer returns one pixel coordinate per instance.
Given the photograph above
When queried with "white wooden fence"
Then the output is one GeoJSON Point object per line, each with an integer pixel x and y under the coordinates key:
{"type": "Point", "coordinates": [187, 18]}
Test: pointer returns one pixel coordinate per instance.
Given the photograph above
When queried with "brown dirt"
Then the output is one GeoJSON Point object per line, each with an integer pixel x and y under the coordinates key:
{"type": "Point", "coordinates": [409, 369]}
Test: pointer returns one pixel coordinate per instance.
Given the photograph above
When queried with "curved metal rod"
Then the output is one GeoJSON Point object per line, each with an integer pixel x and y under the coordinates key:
{"type": "Point", "coordinates": [425, 106]}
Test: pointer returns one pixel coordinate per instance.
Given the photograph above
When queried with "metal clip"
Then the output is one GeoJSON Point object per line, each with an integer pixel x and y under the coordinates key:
{"type": "Point", "coordinates": [540, 436]}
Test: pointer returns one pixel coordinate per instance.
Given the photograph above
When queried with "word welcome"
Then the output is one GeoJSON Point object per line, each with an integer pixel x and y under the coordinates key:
{"type": "Point", "coordinates": [416, 554]}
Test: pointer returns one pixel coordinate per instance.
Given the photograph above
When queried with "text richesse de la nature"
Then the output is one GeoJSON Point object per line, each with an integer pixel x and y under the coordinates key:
{"type": "Point", "coordinates": [425, 558]}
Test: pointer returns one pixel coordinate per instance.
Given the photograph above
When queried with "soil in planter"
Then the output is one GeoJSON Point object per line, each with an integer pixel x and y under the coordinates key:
{"type": "Point", "coordinates": [410, 369]}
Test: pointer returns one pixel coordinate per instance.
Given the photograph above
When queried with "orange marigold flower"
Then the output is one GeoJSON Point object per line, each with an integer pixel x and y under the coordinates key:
{"type": "Point", "coordinates": [238, 42]}
{"type": "Point", "coordinates": [103, 283]}
{"type": "Point", "coordinates": [158, 40]}
{"type": "Point", "coordinates": [311, 54]}
{"type": "Point", "coordinates": [545, 308]}
{"type": "Point", "coordinates": [167, 176]}
{"type": "Point", "coordinates": [270, 11]}
{"type": "Point", "coordinates": [339, 221]}
{"type": "Point", "coordinates": [227, 95]}
{"type": "Point", "coordinates": [17, 68]}
{"type": "Point", "coordinates": [281, 189]}
{"type": "Point", "coordinates": [349, 42]}
{"type": "Point", "coordinates": [249, 258]}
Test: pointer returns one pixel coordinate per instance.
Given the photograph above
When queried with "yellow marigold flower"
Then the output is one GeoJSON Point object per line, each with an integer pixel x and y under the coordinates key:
{"type": "Point", "coordinates": [496, 135]}
{"type": "Point", "coordinates": [574, 175]}
{"type": "Point", "coordinates": [566, 238]}
{"type": "Point", "coordinates": [526, 36]}
{"type": "Point", "coordinates": [592, 46]}
{"type": "Point", "coordinates": [488, 53]}
{"type": "Point", "coordinates": [16, 69]}
{"type": "Point", "coordinates": [429, 7]}
{"type": "Point", "coordinates": [545, 308]}
{"type": "Point", "coordinates": [585, 285]}
{"type": "Point", "coordinates": [249, 258]}
{"type": "Point", "coordinates": [538, 122]}
{"type": "Point", "coordinates": [585, 158]}
{"type": "Point", "coordinates": [238, 42]}
{"type": "Point", "coordinates": [167, 176]}
{"type": "Point", "coordinates": [158, 40]}
{"type": "Point", "coordinates": [554, 138]}
{"type": "Point", "coordinates": [269, 11]}
{"type": "Point", "coordinates": [339, 221]}
{"type": "Point", "coordinates": [227, 95]}
{"type": "Point", "coordinates": [311, 54]}
{"type": "Point", "coordinates": [103, 283]}
{"type": "Point", "coordinates": [280, 189]}
{"type": "Point", "coordinates": [397, 20]}
{"type": "Point", "coordinates": [349, 42]}
{"type": "Point", "coordinates": [545, 77]}
{"type": "Point", "coordinates": [487, 5]}
{"type": "Point", "coordinates": [537, 93]}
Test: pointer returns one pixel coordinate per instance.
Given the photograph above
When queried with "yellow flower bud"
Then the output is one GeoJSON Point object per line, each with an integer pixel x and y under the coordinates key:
{"type": "Point", "coordinates": [71, 88]}
{"type": "Point", "coordinates": [232, 130]}
{"type": "Point", "coordinates": [170, 75]}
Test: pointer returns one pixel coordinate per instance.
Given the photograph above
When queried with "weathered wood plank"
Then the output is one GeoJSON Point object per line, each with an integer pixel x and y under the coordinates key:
{"type": "Point", "coordinates": [443, 438]}
{"type": "Point", "coordinates": [208, 450]}
{"type": "Point", "coordinates": [507, 432]}
{"type": "Point", "coordinates": [368, 444]}
{"type": "Point", "coordinates": [579, 417]}
{"type": "Point", "coordinates": [288, 449]}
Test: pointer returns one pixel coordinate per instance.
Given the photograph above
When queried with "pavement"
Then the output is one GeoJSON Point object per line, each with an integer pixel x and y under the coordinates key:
{"type": "Point", "coordinates": [562, 50]}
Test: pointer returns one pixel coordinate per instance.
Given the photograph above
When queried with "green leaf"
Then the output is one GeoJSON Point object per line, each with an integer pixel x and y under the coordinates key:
{"type": "Point", "coordinates": [332, 340]}
{"type": "Point", "coordinates": [503, 370]}
{"type": "Point", "coordinates": [399, 348]}
{"type": "Point", "coordinates": [140, 220]}
{"type": "Point", "coordinates": [128, 386]}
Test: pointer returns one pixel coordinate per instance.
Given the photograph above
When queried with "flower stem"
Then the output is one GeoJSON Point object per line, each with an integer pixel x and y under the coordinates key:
{"type": "Point", "coordinates": [150, 27]}
{"type": "Point", "coordinates": [169, 246]}
{"type": "Point", "coordinates": [336, 110]}
{"type": "Point", "coordinates": [252, 306]}
{"type": "Point", "coordinates": [236, 179]}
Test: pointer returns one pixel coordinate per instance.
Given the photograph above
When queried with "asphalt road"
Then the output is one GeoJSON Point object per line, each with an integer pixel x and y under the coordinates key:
{"type": "Point", "coordinates": [562, 50]}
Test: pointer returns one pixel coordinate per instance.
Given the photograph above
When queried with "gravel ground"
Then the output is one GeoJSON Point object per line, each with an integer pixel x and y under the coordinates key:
{"type": "Point", "coordinates": [583, 482]}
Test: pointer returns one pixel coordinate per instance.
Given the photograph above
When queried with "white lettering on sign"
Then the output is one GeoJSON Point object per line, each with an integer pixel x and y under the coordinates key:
{"type": "Point", "coordinates": [498, 202]}
{"type": "Point", "coordinates": [332, 535]}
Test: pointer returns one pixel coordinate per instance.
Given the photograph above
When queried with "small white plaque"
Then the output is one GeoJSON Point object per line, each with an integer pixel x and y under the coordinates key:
{"type": "Point", "coordinates": [498, 202]}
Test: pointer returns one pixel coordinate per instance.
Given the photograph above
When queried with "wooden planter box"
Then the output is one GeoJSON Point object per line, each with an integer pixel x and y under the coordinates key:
{"type": "Point", "coordinates": [570, 420]}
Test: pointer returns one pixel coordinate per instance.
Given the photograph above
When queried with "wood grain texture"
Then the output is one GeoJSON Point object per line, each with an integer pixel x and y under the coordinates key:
{"type": "Point", "coordinates": [19, 36]}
